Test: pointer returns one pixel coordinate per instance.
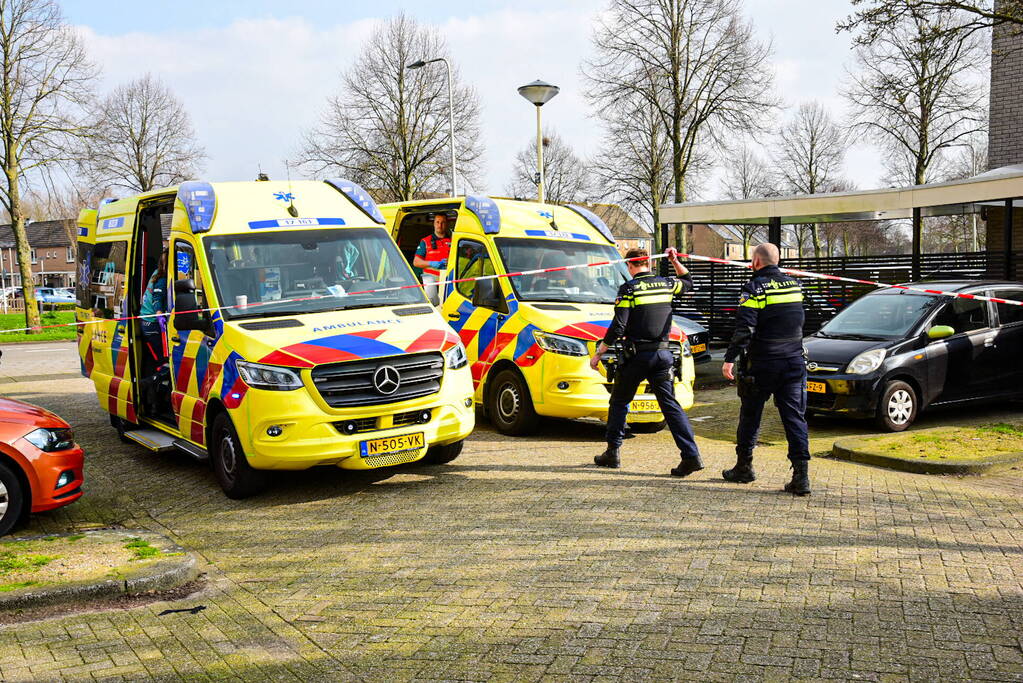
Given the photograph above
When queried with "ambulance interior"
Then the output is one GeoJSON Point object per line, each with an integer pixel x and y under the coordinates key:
{"type": "Point", "coordinates": [417, 224]}
{"type": "Point", "coordinates": [151, 236]}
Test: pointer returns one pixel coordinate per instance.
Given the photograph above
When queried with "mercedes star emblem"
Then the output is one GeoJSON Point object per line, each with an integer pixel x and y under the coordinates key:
{"type": "Point", "coordinates": [386, 379]}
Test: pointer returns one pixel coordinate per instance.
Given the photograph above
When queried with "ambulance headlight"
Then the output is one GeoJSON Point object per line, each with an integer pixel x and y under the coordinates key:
{"type": "Point", "coordinates": [455, 357]}
{"type": "Point", "coordinates": [555, 343]}
{"type": "Point", "coordinates": [866, 362]}
{"type": "Point", "coordinates": [270, 377]}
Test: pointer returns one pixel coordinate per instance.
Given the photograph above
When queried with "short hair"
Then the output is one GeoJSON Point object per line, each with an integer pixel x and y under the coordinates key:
{"type": "Point", "coordinates": [440, 215]}
{"type": "Point", "coordinates": [768, 253]}
{"type": "Point", "coordinates": [641, 256]}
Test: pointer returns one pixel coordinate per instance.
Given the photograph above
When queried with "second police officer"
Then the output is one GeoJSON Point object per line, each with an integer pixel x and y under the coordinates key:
{"type": "Point", "coordinates": [642, 321]}
{"type": "Point", "coordinates": [768, 346]}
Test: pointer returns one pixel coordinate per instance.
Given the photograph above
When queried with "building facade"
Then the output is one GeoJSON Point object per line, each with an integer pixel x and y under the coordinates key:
{"type": "Point", "coordinates": [53, 254]}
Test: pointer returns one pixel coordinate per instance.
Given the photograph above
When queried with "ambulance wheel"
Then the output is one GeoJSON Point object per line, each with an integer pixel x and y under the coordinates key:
{"type": "Point", "coordinates": [510, 406]}
{"type": "Point", "coordinates": [235, 475]}
{"type": "Point", "coordinates": [122, 426]}
{"type": "Point", "coordinates": [12, 499]}
{"type": "Point", "coordinates": [647, 427]}
{"type": "Point", "coordinates": [440, 455]}
{"type": "Point", "coordinates": [898, 407]}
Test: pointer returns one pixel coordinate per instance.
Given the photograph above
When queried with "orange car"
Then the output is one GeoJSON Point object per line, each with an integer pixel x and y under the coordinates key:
{"type": "Point", "coordinates": [40, 463]}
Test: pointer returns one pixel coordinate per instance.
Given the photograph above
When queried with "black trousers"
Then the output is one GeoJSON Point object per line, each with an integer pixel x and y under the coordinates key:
{"type": "Point", "coordinates": [655, 367]}
{"type": "Point", "coordinates": [785, 380]}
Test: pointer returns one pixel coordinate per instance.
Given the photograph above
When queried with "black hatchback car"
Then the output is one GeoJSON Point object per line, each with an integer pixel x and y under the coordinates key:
{"type": "Point", "coordinates": [892, 353]}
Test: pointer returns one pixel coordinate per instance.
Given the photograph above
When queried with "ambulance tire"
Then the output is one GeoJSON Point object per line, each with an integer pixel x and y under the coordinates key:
{"type": "Point", "coordinates": [236, 476]}
{"type": "Point", "coordinates": [122, 426]}
{"type": "Point", "coordinates": [509, 404]}
{"type": "Point", "coordinates": [647, 427]}
{"type": "Point", "coordinates": [441, 455]}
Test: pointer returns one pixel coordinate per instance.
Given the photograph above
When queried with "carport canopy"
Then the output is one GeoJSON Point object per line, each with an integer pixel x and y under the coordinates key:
{"type": "Point", "coordinates": [1001, 187]}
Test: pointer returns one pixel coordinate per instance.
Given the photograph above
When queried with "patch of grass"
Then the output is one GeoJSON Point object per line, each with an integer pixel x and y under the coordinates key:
{"type": "Point", "coordinates": [952, 444]}
{"type": "Point", "coordinates": [75, 537]}
{"type": "Point", "coordinates": [141, 549]}
{"type": "Point", "coordinates": [15, 585]}
{"type": "Point", "coordinates": [10, 562]}
{"type": "Point", "coordinates": [13, 321]}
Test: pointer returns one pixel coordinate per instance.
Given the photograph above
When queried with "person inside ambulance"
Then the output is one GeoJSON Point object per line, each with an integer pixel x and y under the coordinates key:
{"type": "Point", "coordinates": [154, 308]}
{"type": "Point", "coordinates": [432, 256]}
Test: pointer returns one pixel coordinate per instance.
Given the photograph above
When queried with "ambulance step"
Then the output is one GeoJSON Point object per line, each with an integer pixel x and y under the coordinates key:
{"type": "Point", "coordinates": [191, 449]}
{"type": "Point", "coordinates": [153, 439]}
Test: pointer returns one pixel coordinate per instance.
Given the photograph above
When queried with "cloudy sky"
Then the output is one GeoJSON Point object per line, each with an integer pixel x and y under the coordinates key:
{"type": "Point", "coordinates": [254, 74]}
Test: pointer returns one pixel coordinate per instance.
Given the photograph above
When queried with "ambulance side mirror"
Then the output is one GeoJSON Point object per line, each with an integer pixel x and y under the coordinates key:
{"type": "Point", "coordinates": [486, 294]}
{"type": "Point", "coordinates": [185, 301]}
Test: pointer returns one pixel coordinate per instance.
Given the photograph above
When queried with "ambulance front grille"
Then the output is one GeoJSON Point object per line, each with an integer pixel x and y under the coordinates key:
{"type": "Point", "coordinates": [348, 384]}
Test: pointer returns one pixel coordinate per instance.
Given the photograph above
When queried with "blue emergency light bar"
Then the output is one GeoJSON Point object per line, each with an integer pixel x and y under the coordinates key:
{"type": "Point", "coordinates": [485, 209]}
{"type": "Point", "coordinates": [200, 204]}
{"type": "Point", "coordinates": [358, 196]}
{"type": "Point", "coordinates": [594, 220]}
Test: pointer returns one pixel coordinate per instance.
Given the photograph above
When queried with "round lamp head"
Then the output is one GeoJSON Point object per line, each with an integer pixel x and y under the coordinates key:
{"type": "Point", "coordinates": [538, 92]}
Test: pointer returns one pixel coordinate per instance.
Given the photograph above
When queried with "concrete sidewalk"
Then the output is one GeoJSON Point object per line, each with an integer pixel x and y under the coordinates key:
{"type": "Point", "coordinates": [42, 361]}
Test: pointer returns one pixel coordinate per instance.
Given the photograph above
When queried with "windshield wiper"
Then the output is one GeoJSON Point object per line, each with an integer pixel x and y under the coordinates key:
{"type": "Point", "coordinates": [858, 336]}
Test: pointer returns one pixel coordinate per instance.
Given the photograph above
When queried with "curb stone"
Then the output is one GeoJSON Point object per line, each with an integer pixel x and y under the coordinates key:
{"type": "Point", "coordinates": [168, 572]}
{"type": "Point", "coordinates": [856, 449]}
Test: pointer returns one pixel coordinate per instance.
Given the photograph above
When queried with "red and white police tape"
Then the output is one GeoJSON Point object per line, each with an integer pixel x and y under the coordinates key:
{"type": "Point", "coordinates": [692, 257]}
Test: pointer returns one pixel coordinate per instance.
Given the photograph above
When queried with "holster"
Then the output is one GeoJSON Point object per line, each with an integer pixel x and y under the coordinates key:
{"type": "Point", "coordinates": [745, 382]}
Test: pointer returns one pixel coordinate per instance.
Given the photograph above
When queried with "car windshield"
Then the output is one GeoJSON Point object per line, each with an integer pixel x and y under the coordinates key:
{"type": "Point", "coordinates": [598, 284]}
{"type": "Point", "coordinates": [309, 271]}
{"type": "Point", "coordinates": [879, 316]}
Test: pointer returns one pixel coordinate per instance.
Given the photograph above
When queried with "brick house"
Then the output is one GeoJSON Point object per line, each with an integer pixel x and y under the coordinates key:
{"type": "Point", "coordinates": [1005, 136]}
{"type": "Point", "coordinates": [725, 241]}
{"type": "Point", "coordinates": [629, 234]}
{"type": "Point", "coordinates": [53, 254]}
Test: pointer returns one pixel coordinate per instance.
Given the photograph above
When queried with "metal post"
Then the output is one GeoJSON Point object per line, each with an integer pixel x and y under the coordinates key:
{"type": "Point", "coordinates": [917, 239]}
{"type": "Point", "coordinates": [664, 247]}
{"type": "Point", "coordinates": [774, 231]}
{"type": "Point", "coordinates": [451, 128]}
{"type": "Point", "coordinates": [539, 155]}
{"type": "Point", "coordinates": [1007, 240]}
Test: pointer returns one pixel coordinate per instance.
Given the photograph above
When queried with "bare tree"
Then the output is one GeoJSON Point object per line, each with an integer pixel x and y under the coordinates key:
{"type": "Point", "coordinates": [387, 128]}
{"type": "Point", "coordinates": [566, 175]}
{"type": "Point", "coordinates": [45, 76]}
{"type": "Point", "coordinates": [142, 139]}
{"type": "Point", "coordinates": [873, 18]}
{"type": "Point", "coordinates": [810, 151]}
{"type": "Point", "coordinates": [747, 177]}
{"type": "Point", "coordinates": [696, 63]}
{"type": "Point", "coordinates": [913, 95]}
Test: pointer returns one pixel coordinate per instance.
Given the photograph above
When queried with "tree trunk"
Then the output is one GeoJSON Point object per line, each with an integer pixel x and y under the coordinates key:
{"type": "Point", "coordinates": [816, 237]}
{"type": "Point", "coordinates": [24, 250]}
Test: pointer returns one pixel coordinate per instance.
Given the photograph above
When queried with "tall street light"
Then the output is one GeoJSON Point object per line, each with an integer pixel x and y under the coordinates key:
{"type": "Point", "coordinates": [539, 93]}
{"type": "Point", "coordinates": [451, 108]}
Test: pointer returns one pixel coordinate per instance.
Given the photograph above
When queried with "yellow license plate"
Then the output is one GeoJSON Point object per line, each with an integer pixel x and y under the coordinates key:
{"type": "Point", "coordinates": [817, 387]}
{"type": "Point", "coordinates": [698, 348]}
{"type": "Point", "coordinates": [392, 444]}
{"type": "Point", "coordinates": [642, 406]}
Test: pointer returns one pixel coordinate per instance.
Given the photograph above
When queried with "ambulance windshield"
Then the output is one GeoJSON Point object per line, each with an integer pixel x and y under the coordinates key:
{"type": "Point", "coordinates": [308, 271]}
{"type": "Point", "coordinates": [597, 284]}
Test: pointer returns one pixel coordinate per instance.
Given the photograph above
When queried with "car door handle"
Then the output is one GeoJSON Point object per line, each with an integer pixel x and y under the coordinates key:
{"type": "Point", "coordinates": [454, 316]}
{"type": "Point", "coordinates": [989, 342]}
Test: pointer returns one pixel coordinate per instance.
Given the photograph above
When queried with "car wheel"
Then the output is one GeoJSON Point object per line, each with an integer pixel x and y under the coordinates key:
{"type": "Point", "coordinates": [509, 404]}
{"type": "Point", "coordinates": [440, 455]}
{"type": "Point", "coordinates": [647, 427]}
{"type": "Point", "coordinates": [898, 407]}
{"type": "Point", "coordinates": [12, 499]}
{"type": "Point", "coordinates": [235, 475]}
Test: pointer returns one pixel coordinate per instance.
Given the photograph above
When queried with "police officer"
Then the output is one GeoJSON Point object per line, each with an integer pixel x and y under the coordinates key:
{"type": "Point", "coordinates": [768, 345]}
{"type": "Point", "coordinates": [432, 256]}
{"type": "Point", "coordinates": [643, 321]}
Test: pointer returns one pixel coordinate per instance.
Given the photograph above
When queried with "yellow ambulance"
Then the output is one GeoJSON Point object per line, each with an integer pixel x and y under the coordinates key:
{"type": "Point", "coordinates": [296, 334]}
{"type": "Point", "coordinates": [529, 337]}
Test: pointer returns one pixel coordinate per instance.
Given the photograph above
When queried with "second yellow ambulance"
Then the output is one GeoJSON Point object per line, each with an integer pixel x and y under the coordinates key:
{"type": "Point", "coordinates": [529, 337]}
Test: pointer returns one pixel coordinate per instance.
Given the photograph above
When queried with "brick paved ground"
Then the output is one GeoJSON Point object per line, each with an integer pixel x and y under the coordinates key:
{"type": "Point", "coordinates": [518, 562]}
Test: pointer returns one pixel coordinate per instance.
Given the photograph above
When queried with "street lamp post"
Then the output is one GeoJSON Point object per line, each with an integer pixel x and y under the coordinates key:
{"type": "Point", "coordinates": [539, 93]}
{"type": "Point", "coordinates": [451, 109]}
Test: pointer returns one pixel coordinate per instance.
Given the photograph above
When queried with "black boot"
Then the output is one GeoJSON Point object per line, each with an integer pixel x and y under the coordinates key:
{"type": "Point", "coordinates": [609, 458]}
{"type": "Point", "coordinates": [687, 466]}
{"type": "Point", "coordinates": [743, 472]}
{"type": "Point", "coordinates": [800, 484]}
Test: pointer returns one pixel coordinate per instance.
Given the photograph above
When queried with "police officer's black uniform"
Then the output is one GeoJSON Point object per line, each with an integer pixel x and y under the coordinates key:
{"type": "Point", "coordinates": [642, 320]}
{"type": "Point", "coordinates": [768, 348]}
